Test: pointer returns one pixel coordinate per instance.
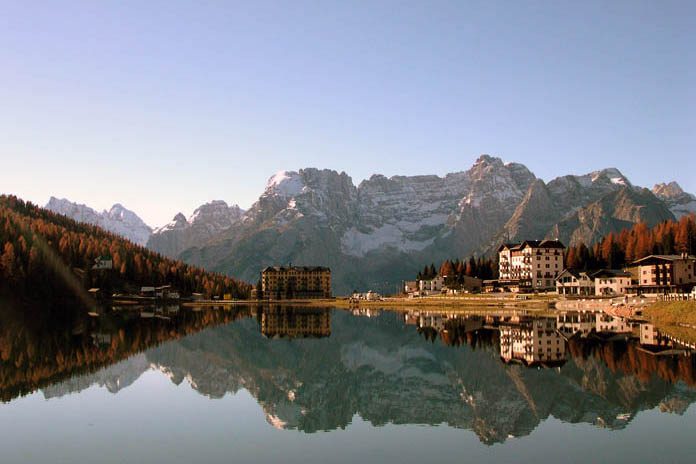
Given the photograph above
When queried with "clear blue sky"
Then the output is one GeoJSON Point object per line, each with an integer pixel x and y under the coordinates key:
{"type": "Point", "coordinates": [163, 105]}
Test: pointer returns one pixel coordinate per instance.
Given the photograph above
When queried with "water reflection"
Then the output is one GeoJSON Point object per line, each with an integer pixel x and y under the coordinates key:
{"type": "Point", "coordinates": [278, 322]}
{"type": "Point", "coordinates": [312, 369]}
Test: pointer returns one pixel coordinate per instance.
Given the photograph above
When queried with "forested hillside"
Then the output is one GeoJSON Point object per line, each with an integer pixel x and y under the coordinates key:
{"type": "Point", "coordinates": [46, 255]}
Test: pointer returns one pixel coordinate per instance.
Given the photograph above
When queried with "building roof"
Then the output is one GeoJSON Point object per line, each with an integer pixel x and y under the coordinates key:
{"type": "Point", "coordinates": [610, 273]}
{"type": "Point", "coordinates": [546, 243]}
{"type": "Point", "coordinates": [663, 258]}
{"type": "Point", "coordinates": [296, 268]}
{"type": "Point", "coordinates": [575, 273]}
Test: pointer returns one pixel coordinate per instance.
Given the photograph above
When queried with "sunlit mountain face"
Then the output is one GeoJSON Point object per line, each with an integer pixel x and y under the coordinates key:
{"type": "Point", "coordinates": [316, 369]}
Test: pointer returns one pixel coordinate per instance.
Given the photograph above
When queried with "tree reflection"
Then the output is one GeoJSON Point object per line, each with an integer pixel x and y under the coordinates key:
{"type": "Point", "coordinates": [314, 369]}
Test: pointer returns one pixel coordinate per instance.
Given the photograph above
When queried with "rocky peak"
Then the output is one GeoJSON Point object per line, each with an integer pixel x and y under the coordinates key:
{"type": "Point", "coordinates": [484, 165]}
{"type": "Point", "coordinates": [217, 212]}
{"type": "Point", "coordinates": [668, 191]}
{"type": "Point", "coordinates": [119, 213]}
{"type": "Point", "coordinates": [611, 175]}
{"type": "Point", "coordinates": [491, 179]}
{"type": "Point", "coordinates": [572, 191]}
{"type": "Point", "coordinates": [679, 202]}
{"type": "Point", "coordinates": [180, 220]}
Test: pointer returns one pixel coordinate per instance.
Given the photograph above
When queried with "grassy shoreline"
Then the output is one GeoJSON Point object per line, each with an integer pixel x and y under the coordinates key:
{"type": "Point", "coordinates": [675, 318]}
{"type": "Point", "coordinates": [672, 312]}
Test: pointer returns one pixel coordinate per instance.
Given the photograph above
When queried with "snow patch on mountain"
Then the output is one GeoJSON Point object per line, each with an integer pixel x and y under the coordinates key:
{"type": "Point", "coordinates": [179, 222]}
{"type": "Point", "coordinates": [357, 243]}
{"type": "Point", "coordinates": [285, 184]}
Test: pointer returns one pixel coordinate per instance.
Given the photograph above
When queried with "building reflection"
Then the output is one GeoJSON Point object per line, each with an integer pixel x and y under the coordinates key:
{"type": "Point", "coordinates": [469, 371]}
{"type": "Point", "coordinates": [288, 322]}
{"type": "Point", "coordinates": [532, 341]}
{"type": "Point", "coordinates": [571, 323]}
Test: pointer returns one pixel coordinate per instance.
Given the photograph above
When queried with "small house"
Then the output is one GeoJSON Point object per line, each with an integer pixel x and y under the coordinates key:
{"type": "Point", "coordinates": [102, 263]}
{"type": "Point", "coordinates": [573, 282]}
{"type": "Point", "coordinates": [611, 282]}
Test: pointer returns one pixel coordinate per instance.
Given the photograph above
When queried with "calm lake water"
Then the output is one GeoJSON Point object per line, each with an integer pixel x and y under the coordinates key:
{"type": "Point", "coordinates": [174, 385]}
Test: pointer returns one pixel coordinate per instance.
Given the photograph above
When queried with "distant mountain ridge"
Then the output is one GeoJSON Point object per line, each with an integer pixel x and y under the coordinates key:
{"type": "Point", "coordinates": [386, 228]}
{"type": "Point", "coordinates": [118, 219]}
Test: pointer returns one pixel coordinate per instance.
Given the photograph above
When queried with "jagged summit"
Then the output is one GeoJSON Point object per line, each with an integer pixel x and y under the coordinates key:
{"type": "Point", "coordinates": [678, 201]}
{"type": "Point", "coordinates": [671, 190]}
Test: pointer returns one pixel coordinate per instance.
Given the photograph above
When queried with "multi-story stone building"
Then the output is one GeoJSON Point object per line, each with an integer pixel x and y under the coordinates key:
{"type": "Point", "coordinates": [532, 341]}
{"type": "Point", "coordinates": [532, 264]}
{"type": "Point", "coordinates": [295, 282]}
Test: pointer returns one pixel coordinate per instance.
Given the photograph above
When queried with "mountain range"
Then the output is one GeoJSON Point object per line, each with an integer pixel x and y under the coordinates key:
{"type": "Point", "coordinates": [383, 230]}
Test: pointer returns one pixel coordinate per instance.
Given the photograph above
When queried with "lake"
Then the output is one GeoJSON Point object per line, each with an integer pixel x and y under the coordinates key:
{"type": "Point", "coordinates": [305, 385]}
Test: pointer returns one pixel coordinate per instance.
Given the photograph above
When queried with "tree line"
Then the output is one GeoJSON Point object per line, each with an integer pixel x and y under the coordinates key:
{"type": "Point", "coordinates": [617, 250]}
{"type": "Point", "coordinates": [47, 255]}
{"type": "Point", "coordinates": [454, 270]}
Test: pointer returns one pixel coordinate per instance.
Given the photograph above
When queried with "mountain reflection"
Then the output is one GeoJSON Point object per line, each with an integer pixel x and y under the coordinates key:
{"type": "Point", "coordinates": [313, 369]}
